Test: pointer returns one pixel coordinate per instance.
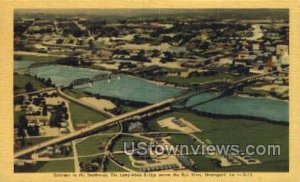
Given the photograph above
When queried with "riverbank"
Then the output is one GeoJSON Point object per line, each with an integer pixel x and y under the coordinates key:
{"type": "Point", "coordinates": [241, 132]}
{"type": "Point", "coordinates": [259, 97]}
{"type": "Point", "coordinates": [141, 90]}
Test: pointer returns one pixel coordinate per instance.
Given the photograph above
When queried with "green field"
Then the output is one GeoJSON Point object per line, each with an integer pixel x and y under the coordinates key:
{"type": "Point", "coordinates": [90, 145]}
{"type": "Point", "coordinates": [127, 108]}
{"type": "Point", "coordinates": [33, 141]}
{"type": "Point", "coordinates": [195, 79]}
{"type": "Point", "coordinates": [154, 126]}
{"type": "Point", "coordinates": [17, 114]}
{"type": "Point", "coordinates": [75, 93]}
{"type": "Point", "coordinates": [21, 80]}
{"type": "Point", "coordinates": [111, 129]}
{"type": "Point", "coordinates": [89, 159]}
{"type": "Point", "coordinates": [112, 167]}
{"type": "Point", "coordinates": [203, 163]}
{"type": "Point", "coordinates": [51, 166]}
{"type": "Point", "coordinates": [123, 158]}
{"type": "Point", "coordinates": [80, 114]}
{"type": "Point", "coordinates": [37, 58]}
{"type": "Point", "coordinates": [242, 132]}
{"type": "Point", "coordinates": [178, 139]}
{"type": "Point", "coordinates": [119, 144]}
{"type": "Point", "coordinates": [251, 92]}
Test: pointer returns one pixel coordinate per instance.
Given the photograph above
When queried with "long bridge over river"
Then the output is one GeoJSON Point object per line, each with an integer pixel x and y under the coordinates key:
{"type": "Point", "coordinates": [90, 81]}
{"type": "Point", "coordinates": [150, 110]}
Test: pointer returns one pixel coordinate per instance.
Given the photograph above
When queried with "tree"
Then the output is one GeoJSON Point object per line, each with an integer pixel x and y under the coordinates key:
{"type": "Point", "coordinates": [37, 101]}
{"type": "Point", "coordinates": [21, 132]}
{"type": "Point", "coordinates": [48, 82]}
{"type": "Point", "coordinates": [36, 130]}
{"type": "Point", "coordinates": [19, 100]}
{"type": "Point", "coordinates": [45, 110]}
{"type": "Point", "coordinates": [141, 53]}
{"type": "Point", "coordinates": [140, 56]}
{"type": "Point", "coordinates": [29, 87]}
{"type": "Point", "coordinates": [92, 44]}
{"type": "Point", "coordinates": [156, 53]}
{"type": "Point", "coordinates": [23, 122]}
{"type": "Point", "coordinates": [168, 56]}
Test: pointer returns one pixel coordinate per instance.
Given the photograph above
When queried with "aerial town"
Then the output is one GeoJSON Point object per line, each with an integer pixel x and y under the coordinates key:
{"type": "Point", "coordinates": [88, 81]}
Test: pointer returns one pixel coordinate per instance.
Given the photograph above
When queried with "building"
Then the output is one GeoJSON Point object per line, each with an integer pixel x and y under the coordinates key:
{"type": "Point", "coordinates": [186, 161]}
{"type": "Point", "coordinates": [136, 127]}
{"type": "Point", "coordinates": [226, 61]}
{"type": "Point", "coordinates": [281, 49]}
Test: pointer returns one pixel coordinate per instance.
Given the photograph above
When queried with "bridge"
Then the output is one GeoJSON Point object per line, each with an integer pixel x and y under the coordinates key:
{"type": "Point", "coordinates": [246, 81]}
{"type": "Point", "coordinates": [137, 114]}
{"type": "Point", "coordinates": [72, 46]}
{"type": "Point", "coordinates": [141, 113]}
{"type": "Point", "coordinates": [90, 81]}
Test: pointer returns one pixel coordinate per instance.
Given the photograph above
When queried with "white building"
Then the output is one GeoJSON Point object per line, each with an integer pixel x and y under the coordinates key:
{"type": "Point", "coordinates": [226, 61]}
{"type": "Point", "coordinates": [281, 49]}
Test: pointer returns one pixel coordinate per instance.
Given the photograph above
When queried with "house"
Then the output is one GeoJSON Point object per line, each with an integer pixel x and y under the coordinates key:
{"type": "Point", "coordinates": [40, 47]}
{"type": "Point", "coordinates": [40, 119]}
{"type": "Point", "coordinates": [255, 46]}
{"type": "Point", "coordinates": [281, 49]}
{"type": "Point", "coordinates": [63, 130]}
{"type": "Point", "coordinates": [226, 61]}
{"type": "Point", "coordinates": [136, 127]}
{"type": "Point", "coordinates": [241, 62]}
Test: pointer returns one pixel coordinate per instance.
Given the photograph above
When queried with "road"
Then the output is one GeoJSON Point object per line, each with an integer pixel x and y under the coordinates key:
{"type": "Point", "coordinates": [37, 54]}
{"type": "Point", "coordinates": [120, 118]}
{"type": "Point", "coordinates": [62, 94]}
{"type": "Point", "coordinates": [37, 91]}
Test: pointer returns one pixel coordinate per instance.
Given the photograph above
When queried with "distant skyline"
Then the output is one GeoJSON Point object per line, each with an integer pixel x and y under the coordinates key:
{"type": "Point", "coordinates": [123, 13]}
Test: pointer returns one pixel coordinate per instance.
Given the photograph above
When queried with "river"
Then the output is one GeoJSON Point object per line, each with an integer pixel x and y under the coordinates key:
{"type": "Point", "coordinates": [136, 89]}
{"type": "Point", "coordinates": [22, 64]}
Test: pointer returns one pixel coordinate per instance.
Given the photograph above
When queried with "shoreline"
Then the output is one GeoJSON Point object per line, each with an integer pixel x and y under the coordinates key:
{"type": "Point", "coordinates": [206, 114]}
{"type": "Point", "coordinates": [168, 84]}
{"type": "Point", "coordinates": [260, 97]}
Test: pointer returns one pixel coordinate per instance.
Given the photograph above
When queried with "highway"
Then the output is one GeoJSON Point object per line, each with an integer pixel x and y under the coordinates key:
{"type": "Point", "coordinates": [37, 91]}
{"type": "Point", "coordinates": [120, 118]}
{"type": "Point", "coordinates": [124, 117]}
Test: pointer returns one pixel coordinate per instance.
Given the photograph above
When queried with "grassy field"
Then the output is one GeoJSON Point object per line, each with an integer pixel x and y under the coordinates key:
{"type": "Point", "coordinates": [88, 159]}
{"type": "Point", "coordinates": [112, 167]}
{"type": "Point", "coordinates": [21, 80]}
{"type": "Point", "coordinates": [111, 129]}
{"type": "Point", "coordinates": [37, 58]}
{"type": "Point", "coordinates": [51, 166]}
{"type": "Point", "coordinates": [33, 141]}
{"type": "Point", "coordinates": [154, 126]}
{"type": "Point", "coordinates": [127, 108]}
{"type": "Point", "coordinates": [247, 90]}
{"type": "Point", "coordinates": [242, 132]}
{"type": "Point", "coordinates": [119, 144]}
{"type": "Point", "coordinates": [90, 145]}
{"type": "Point", "coordinates": [123, 158]}
{"type": "Point", "coordinates": [203, 163]}
{"type": "Point", "coordinates": [178, 139]}
{"type": "Point", "coordinates": [75, 93]}
{"type": "Point", "coordinates": [17, 114]}
{"type": "Point", "coordinates": [80, 114]}
{"type": "Point", "coordinates": [195, 79]}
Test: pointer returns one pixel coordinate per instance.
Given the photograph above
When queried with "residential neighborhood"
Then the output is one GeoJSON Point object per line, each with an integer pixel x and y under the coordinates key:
{"type": "Point", "coordinates": [91, 86]}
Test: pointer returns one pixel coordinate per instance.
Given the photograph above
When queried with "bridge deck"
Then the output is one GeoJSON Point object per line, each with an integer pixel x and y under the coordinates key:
{"type": "Point", "coordinates": [123, 117]}
{"type": "Point", "coordinates": [98, 125]}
